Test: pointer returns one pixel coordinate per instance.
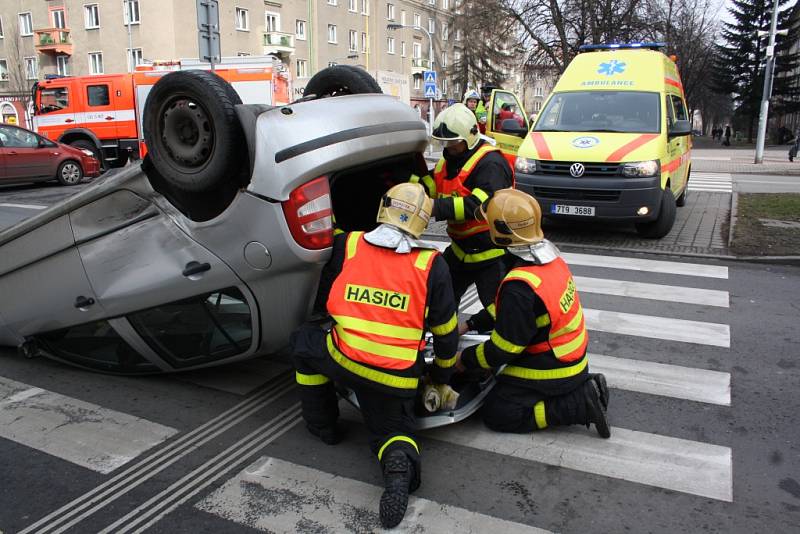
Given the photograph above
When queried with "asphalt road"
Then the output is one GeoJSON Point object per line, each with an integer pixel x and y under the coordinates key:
{"type": "Point", "coordinates": [700, 355]}
{"type": "Point", "coordinates": [766, 183]}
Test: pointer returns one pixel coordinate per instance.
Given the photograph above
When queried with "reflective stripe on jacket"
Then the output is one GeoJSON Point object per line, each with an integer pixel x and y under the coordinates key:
{"type": "Point", "coordinates": [378, 303]}
{"type": "Point", "coordinates": [563, 353]}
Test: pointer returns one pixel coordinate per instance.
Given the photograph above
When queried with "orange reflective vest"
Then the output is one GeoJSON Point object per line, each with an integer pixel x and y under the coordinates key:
{"type": "Point", "coordinates": [563, 353]}
{"type": "Point", "coordinates": [378, 303]}
{"type": "Point", "coordinates": [460, 228]}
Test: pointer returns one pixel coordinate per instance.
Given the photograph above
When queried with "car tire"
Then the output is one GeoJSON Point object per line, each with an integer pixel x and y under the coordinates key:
{"type": "Point", "coordinates": [85, 144]}
{"type": "Point", "coordinates": [194, 138]}
{"type": "Point", "coordinates": [663, 223]}
{"type": "Point", "coordinates": [341, 80]}
{"type": "Point", "coordinates": [69, 172]}
{"type": "Point", "coordinates": [681, 200]}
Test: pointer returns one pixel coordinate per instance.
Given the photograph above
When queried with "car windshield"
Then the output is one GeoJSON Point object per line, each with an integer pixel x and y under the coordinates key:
{"type": "Point", "coordinates": [601, 111]}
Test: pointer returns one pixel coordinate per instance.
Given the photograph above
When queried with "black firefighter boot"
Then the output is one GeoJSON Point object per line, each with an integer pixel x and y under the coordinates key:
{"type": "Point", "coordinates": [397, 476]}
{"type": "Point", "coordinates": [595, 411]}
{"type": "Point", "coordinates": [602, 387]}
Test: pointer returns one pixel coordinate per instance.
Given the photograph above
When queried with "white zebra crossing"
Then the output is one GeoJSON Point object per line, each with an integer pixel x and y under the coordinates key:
{"type": "Point", "coordinates": [711, 181]}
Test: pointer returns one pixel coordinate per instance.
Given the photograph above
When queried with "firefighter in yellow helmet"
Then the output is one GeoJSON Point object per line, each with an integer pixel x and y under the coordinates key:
{"type": "Point", "coordinates": [383, 289]}
{"type": "Point", "coordinates": [470, 171]}
{"type": "Point", "coordinates": [540, 334]}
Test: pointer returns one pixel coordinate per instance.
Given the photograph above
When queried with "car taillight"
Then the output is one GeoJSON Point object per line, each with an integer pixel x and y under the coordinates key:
{"type": "Point", "coordinates": [308, 213]}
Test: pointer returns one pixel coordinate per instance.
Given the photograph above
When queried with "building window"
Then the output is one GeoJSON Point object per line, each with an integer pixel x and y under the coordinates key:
{"type": "Point", "coordinates": [59, 18]}
{"type": "Point", "coordinates": [62, 65]}
{"type": "Point", "coordinates": [25, 24]}
{"type": "Point", "coordinates": [417, 82]}
{"type": "Point", "coordinates": [365, 7]}
{"type": "Point", "coordinates": [333, 2]}
{"type": "Point", "coordinates": [403, 17]}
{"type": "Point", "coordinates": [432, 26]}
{"type": "Point", "coordinates": [272, 21]}
{"type": "Point", "coordinates": [417, 20]}
{"type": "Point", "coordinates": [537, 106]}
{"type": "Point", "coordinates": [134, 58]}
{"type": "Point", "coordinates": [445, 31]}
{"type": "Point", "coordinates": [538, 91]}
{"type": "Point", "coordinates": [416, 51]}
{"type": "Point", "coordinates": [444, 86]}
{"type": "Point", "coordinates": [390, 11]}
{"type": "Point", "coordinates": [91, 16]}
{"type": "Point", "coordinates": [457, 55]}
{"type": "Point", "coordinates": [31, 68]}
{"type": "Point", "coordinates": [403, 48]}
{"type": "Point", "coordinates": [390, 45]}
{"type": "Point", "coordinates": [445, 4]}
{"type": "Point", "coordinates": [458, 89]}
{"type": "Point", "coordinates": [444, 59]}
{"type": "Point", "coordinates": [95, 63]}
{"type": "Point", "coordinates": [242, 19]}
{"type": "Point", "coordinates": [458, 34]}
{"type": "Point", "coordinates": [3, 70]}
{"type": "Point", "coordinates": [364, 42]}
{"type": "Point", "coordinates": [352, 6]}
{"type": "Point", "coordinates": [302, 68]}
{"type": "Point", "coordinates": [352, 41]}
{"type": "Point", "coordinates": [131, 12]}
{"type": "Point", "coordinates": [1, 28]}
{"type": "Point", "coordinates": [300, 29]}
{"type": "Point", "coordinates": [332, 33]}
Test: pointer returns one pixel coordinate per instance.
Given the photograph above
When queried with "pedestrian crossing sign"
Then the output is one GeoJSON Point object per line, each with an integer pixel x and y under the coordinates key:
{"type": "Point", "coordinates": [429, 76]}
{"type": "Point", "coordinates": [430, 90]}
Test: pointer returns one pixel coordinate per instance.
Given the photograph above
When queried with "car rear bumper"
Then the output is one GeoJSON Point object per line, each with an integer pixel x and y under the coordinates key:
{"type": "Point", "coordinates": [613, 198]}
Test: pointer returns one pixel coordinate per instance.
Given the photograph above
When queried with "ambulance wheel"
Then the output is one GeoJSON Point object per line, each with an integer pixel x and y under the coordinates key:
{"type": "Point", "coordinates": [681, 200]}
{"type": "Point", "coordinates": [194, 138]}
{"type": "Point", "coordinates": [84, 144]}
{"type": "Point", "coordinates": [666, 218]}
{"type": "Point", "coordinates": [341, 80]}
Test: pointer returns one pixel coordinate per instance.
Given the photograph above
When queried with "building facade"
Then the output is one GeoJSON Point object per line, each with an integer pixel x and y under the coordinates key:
{"type": "Point", "coordinates": [83, 37]}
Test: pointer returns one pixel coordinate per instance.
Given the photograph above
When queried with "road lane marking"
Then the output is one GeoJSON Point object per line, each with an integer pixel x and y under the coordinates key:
{"type": "Point", "coordinates": [661, 461]}
{"type": "Point", "coordinates": [313, 500]}
{"type": "Point", "coordinates": [79, 432]}
{"type": "Point", "coordinates": [640, 264]}
{"type": "Point", "coordinates": [190, 485]}
{"type": "Point", "coordinates": [650, 326]}
{"type": "Point", "coordinates": [676, 381]}
{"type": "Point", "coordinates": [23, 206]}
{"type": "Point", "coordinates": [145, 469]}
{"type": "Point", "coordinates": [640, 290]}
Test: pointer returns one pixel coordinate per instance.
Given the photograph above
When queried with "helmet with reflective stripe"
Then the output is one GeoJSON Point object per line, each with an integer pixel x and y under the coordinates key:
{"type": "Point", "coordinates": [472, 94]}
{"type": "Point", "coordinates": [457, 123]}
{"type": "Point", "coordinates": [407, 207]}
{"type": "Point", "coordinates": [514, 218]}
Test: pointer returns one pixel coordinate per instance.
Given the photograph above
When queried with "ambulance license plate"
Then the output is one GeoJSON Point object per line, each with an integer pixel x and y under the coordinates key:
{"type": "Point", "coordinates": [561, 209]}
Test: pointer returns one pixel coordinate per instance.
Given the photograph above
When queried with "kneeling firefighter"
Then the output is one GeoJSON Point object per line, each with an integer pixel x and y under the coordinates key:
{"type": "Point", "coordinates": [540, 334]}
{"type": "Point", "coordinates": [383, 290]}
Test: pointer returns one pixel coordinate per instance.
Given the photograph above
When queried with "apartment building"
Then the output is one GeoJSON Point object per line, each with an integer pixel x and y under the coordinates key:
{"type": "Point", "coordinates": [82, 37]}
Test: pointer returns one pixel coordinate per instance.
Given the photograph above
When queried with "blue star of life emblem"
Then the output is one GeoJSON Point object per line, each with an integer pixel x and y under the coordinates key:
{"type": "Point", "coordinates": [611, 68]}
{"type": "Point", "coordinates": [403, 217]}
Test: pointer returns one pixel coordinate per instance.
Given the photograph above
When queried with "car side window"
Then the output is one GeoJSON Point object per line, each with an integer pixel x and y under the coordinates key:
{"type": "Point", "coordinates": [680, 109]}
{"type": "Point", "coordinates": [18, 138]}
{"type": "Point", "coordinates": [53, 99]}
{"type": "Point", "coordinates": [505, 107]}
{"type": "Point", "coordinates": [670, 113]}
{"type": "Point", "coordinates": [97, 95]}
{"type": "Point", "coordinates": [204, 328]}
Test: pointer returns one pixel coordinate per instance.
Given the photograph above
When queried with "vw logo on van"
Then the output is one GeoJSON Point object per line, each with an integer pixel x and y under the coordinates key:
{"type": "Point", "coordinates": [586, 141]}
{"type": "Point", "coordinates": [577, 170]}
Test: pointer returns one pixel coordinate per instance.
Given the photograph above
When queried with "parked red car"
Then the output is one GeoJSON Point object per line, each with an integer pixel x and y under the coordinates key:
{"type": "Point", "coordinates": [29, 157]}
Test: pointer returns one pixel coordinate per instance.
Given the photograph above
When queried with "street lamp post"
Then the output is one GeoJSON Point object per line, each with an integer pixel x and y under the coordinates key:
{"type": "Point", "coordinates": [430, 59]}
{"type": "Point", "coordinates": [768, 71]}
{"type": "Point", "coordinates": [127, 14]}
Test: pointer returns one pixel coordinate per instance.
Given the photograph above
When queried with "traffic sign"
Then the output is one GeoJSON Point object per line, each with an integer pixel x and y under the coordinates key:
{"type": "Point", "coordinates": [429, 76]}
{"type": "Point", "coordinates": [430, 90]}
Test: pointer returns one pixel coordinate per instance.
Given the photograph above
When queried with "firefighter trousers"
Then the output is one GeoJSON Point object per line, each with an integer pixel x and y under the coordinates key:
{"type": "Point", "coordinates": [388, 418]}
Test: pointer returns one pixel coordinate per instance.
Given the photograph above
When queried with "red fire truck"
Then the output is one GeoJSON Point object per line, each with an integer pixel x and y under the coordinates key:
{"type": "Point", "coordinates": [102, 113]}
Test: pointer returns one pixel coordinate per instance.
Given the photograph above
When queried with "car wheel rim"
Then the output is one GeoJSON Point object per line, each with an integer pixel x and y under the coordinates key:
{"type": "Point", "coordinates": [71, 173]}
{"type": "Point", "coordinates": [187, 133]}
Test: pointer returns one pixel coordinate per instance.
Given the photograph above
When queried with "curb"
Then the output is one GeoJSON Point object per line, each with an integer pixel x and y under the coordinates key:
{"type": "Point", "coordinates": [732, 217]}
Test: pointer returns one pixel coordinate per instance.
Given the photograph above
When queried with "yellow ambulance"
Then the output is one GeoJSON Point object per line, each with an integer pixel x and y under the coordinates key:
{"type": "Point", "coordinates": [613, 141]}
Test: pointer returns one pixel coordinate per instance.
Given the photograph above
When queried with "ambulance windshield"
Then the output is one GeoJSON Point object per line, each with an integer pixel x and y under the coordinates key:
{"type": "Point", "coordinates": [601, 111]}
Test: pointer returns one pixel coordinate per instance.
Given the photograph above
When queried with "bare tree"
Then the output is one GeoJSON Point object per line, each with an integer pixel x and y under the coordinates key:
{"type": "Point", "coordinates": [18, 83]}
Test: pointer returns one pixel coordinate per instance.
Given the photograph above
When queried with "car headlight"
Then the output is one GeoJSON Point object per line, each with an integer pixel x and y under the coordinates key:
{"type": "Point", "coordinates": [640, 169]}
{"type": "Point", "coordinates": [87, 152]}
{"type": "Point", "coordinates": [525, 165]}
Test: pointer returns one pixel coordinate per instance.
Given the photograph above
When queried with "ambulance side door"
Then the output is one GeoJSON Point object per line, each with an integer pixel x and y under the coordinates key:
{"type": "Point", "coordinates": [679, 144]}
{"type": "Point", "coordinates": [507, 122]}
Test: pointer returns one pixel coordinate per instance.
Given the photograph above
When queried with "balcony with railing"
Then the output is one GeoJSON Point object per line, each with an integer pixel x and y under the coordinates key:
{"type": "Point", "coordinates": [54, 41]}
{"type": "Point", "coordinates": [418, 65]}
{"type": "Point", "coordinates": [278, 43]}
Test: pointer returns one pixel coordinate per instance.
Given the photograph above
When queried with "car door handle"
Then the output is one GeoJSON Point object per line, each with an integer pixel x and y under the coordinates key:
{"type": "Point", "coordinates": [192, 268]}
{"type": "Point", "coordinates": [69, 120]}
{"type": "Point", "coordinates": [84, 302]}
{"type": "Point", "coordinates": [109, 118]}
{"type": "Point", "coordinates": [12, 153]}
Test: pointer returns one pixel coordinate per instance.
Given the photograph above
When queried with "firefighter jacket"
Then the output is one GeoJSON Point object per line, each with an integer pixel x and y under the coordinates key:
{"type": "Point", "coordinates": [540, 332]}
{"type": "Point", "coordinates": [381, 303]}
{"type": "Point", "coordinates": [460, 184]}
